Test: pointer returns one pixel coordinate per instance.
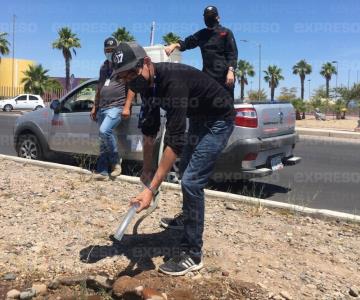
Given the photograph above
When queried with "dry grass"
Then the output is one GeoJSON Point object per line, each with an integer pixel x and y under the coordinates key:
{"type": "Point", "coordinates": [330, 123]}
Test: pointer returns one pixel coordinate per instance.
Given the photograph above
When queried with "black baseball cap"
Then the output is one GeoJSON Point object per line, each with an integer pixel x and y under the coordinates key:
{"type": "Point", "coordinates": [110, 42]}
{"type": "Point", "coordinates": [211, 11]}
{"type": "Point", "coordinates": [126, 56]}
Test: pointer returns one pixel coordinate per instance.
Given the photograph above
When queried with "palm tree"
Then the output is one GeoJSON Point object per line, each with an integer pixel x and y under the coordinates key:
{"type": "Point", "coordinates": [36, 80]}
{"type": "Point", "coordinates": [66, 42]}
{"type": "Point", "coordinates": [327, 70]}
{"type": "Point", "coordinates": [4, 44]}
{"type": "Point", "coordinates": [170, 38]}
{"type": "Point", "coordinates": [122, 35]}
{"type": "Point", "coordinates": [244, 69]}
{"type": "Point", "coordinates": [302, 68]}
{"type": "Point", "coordinates": [273, 76]}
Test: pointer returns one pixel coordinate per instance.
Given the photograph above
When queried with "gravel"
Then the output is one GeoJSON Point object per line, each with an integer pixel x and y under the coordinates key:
{"type": "Point", "coordinates": [57, 224]}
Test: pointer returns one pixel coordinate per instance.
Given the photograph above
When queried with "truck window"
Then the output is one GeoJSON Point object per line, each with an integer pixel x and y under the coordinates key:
{"type": "Point", "coordinates": [82, 100]}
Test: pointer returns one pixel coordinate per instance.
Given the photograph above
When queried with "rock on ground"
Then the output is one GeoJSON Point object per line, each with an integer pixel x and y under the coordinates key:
{"type": "Point", "coordinates": [58, 224]}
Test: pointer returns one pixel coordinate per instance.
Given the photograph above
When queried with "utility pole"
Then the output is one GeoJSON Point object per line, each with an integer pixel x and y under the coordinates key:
{"type": "Point", "coordinates": [348, 79]}
{"type": "Point", "coordinates": [152, 33]}
{"type": "Point", "coordinates": [13, 59]}
{"type": "Point", "coordinates": [309, 80]}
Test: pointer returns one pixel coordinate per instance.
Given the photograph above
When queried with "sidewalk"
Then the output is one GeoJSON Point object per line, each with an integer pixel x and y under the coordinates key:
{"type": "Point", "coordinates": [328, 133]}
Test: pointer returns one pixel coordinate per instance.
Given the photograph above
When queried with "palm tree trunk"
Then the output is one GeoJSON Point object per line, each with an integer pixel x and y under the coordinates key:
{"type": "Point", "coordinates": [242, 86]}
{"type": "Point", "coordinates": [327, 87]}
{"type": "Point", "coordinates": [272, 92]}
{"type": "Point", "coordinates": [67, 74]}
{"type": "Point", "coordinates": [302, 79]}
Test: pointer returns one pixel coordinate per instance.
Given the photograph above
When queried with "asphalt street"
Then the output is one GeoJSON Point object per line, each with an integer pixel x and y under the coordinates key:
{"type": "Point", "coordinates": [328, 176]}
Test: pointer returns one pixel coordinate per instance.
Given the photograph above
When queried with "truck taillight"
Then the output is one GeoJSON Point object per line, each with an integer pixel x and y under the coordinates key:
{"type": "Point", "coordinates": [250, 156]}
{"type": "Point", "coordinates": [246, 117]}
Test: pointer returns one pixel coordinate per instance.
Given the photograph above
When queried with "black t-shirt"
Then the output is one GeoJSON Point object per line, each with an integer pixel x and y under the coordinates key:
{"type": "Point", "coordinates": [183, 91]}
{"type": "Point", "coordinates": [218, 50]}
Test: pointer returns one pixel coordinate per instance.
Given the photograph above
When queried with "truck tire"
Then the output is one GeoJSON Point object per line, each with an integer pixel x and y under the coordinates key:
{"type": "Point", "coordinates": [29, 147]}
{"type": "Point", "coordinates": [8, 108]}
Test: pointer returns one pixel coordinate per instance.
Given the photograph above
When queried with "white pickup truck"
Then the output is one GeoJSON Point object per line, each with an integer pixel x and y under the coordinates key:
{"type": "Point", "coordinates": [262, 142]}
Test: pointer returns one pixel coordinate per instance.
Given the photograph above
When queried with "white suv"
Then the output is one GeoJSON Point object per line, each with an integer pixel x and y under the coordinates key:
{"type": "Point", "coordinates": [23, 101]}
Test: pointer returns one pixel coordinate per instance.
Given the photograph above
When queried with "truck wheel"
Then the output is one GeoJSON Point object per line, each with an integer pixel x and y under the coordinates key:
{"type": "Point", "coordinates": [8, 107]}
{"type": "Point", "coordinates": [38, 107]}
{"type": "Point", "coordinates": [29, 147]}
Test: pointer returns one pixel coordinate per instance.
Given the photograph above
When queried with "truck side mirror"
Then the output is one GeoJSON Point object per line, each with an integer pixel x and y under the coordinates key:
{"type": "Point", "coordinates": [55, 106]}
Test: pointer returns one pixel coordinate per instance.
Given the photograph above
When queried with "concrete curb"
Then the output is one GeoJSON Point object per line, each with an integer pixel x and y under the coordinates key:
{"type": "Point", "coordinates": [328, 133]}
{"type": "Point", "coordinates": [45, 164]}
{"type": "Point", "coordinates": [209, 193]}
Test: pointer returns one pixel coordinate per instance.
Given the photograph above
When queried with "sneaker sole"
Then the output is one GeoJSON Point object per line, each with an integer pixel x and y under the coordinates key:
{"type": "Point", "coordinates": [115, 173]}
{"type": "Point", "coordinates": [106, 178]}
{"type": "Point", "coordinates": [167, 226]}
{"type": "Point", "coordinates": [191, 269]}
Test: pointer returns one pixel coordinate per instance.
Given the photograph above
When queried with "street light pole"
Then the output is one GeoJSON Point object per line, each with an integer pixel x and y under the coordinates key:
{"type": "Point", "coordinates": [259, 46]}
{"type": "Point", "coordinates": [309, 80]}
{"type": "Point", "coordinates": [13, 59]}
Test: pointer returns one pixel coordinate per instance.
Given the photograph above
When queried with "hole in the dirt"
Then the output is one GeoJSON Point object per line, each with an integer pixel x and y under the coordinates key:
{"type": "Point", "coordinates": [130, 296]}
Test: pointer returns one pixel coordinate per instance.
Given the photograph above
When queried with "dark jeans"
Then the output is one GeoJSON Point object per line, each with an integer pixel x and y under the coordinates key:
{"type": "Point", "coordinates": [206, 140]}
{"type": "Point", "coordinates": [108, 119]}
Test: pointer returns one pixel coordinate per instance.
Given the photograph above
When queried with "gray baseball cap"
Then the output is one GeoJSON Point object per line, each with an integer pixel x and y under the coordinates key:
{"type": "Point", "coordinates": [126, 56]}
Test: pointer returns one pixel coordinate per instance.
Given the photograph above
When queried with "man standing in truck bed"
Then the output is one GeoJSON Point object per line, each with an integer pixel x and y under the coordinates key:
{"type": "Point", "coordinates": [182, 91]}
{"type": "Point", "coordinates": [218, 49]}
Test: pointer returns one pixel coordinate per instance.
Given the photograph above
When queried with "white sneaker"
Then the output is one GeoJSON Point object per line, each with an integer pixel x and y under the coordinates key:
{"type": "Point", "coordinates": [116, 171]}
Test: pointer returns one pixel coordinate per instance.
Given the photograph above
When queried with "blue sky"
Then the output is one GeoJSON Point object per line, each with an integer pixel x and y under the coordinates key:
{"type": "Point", "coordinates": [317, 30]}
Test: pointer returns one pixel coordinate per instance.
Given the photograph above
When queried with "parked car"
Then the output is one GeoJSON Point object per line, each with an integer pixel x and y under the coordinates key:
{"type": "Point", "coordinates": [262, 142]}
{"type": "Point", "coordinates": [263, 139]}
{"type": "Point", "coordinates": [22, 102]}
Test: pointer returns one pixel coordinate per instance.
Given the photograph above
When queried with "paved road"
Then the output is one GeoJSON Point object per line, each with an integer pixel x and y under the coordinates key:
{"type": "Point", "coordinates": [7, 121]}
{"type": "Point", "coordinates": [328, 177]}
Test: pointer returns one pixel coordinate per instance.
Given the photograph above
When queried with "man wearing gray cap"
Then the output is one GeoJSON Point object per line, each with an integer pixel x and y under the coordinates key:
{"type": "Point", "coordinates": [182, 91]}
{"type": "Point", "coordinates": [111, 104]}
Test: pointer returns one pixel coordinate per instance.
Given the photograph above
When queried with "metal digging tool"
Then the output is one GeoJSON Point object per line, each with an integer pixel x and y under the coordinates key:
{"type": "Point", "coordinates": [148, 212]}
{"type": "Point", "coordinates": [156, 197]}
{"type": "Point", "coordinates": [132, 210]}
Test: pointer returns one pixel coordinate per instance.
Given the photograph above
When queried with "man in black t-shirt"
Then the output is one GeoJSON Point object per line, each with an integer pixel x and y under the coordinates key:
{"type": "Point", "coordinates": [218, 49]}
{"type": "Point", "coordinates": [182, 91]}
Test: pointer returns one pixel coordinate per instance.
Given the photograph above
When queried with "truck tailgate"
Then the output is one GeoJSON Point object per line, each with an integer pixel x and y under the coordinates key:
{"type": "Point", "coordinates": [275, 119]}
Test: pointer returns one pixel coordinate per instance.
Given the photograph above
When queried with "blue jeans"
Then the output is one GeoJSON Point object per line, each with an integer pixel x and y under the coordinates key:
{"type": "Point", "coordinates": [205, 142]}
{"type": "Point", "coordinates": [108, 119]}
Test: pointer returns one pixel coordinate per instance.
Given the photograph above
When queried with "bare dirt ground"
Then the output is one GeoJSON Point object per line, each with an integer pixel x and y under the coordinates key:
{"type": "Point", "coordinates": [330, 123]}
{"type": "Point", "coordinates": [55, 224]}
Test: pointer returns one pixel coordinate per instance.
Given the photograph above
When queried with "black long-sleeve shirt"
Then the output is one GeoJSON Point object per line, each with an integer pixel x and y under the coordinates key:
{"type": "Point", "coordinates": [218, 50]}
{"type": "Point", "coordinates": [182, 91]}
